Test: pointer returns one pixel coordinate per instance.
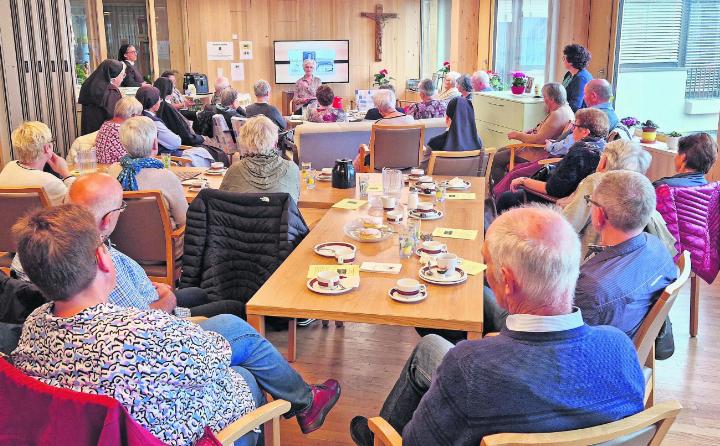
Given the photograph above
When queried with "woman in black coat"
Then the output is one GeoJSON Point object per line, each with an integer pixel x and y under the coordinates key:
{"type": "Point", "coordinates": [99, 94]}
{"type": "Point", "coordinates": [127, 54]}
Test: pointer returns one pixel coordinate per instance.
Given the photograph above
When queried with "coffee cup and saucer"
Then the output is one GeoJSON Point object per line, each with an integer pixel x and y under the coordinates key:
{"type": "Point", "coordinates": [394, 216]}
{"type": "Point", "coordinates": [431, 248]}
{"type": "Point", "coordinates": [444, 271]}
{"type": "Point", "coordinates": [329, 282]}
{"type": "Point", "coordinates": [325, 174]}
{"type": "Point", "coordinates": [426, 211]}
{"type": "Point", "coordinates": [343, 252]}
{"type": "Point", "coordinates": [408, 291]}
{"type": "Point", "coordinates": [388, 202]}
{"type": "Point", "coordinates": [216, 168]}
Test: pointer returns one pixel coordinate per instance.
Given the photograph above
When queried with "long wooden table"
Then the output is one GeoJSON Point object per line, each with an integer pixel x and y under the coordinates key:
{"type": "Point", "coordinates": [458, 307]}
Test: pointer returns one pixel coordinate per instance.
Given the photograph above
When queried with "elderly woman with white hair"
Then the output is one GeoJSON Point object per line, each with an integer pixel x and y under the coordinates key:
{"type": "Point", "coordinates": [108, 147]}
{"type": "Point", "coordinates": [481, 81]}
{"type": "Point", "coordinates": [384, 101]}
{"type": "Point", "coordinates": [428, 107]}
{"type": "Point", "coordinates": [33, 146]}
{"type": "Point", "coordinates": [260, 168]}
{"type": "Point", "coordinates": [306, 86]}
{"type": "Point", "coordinates": [262, 105]}
{"type": "Point", "coordinates": [139, 170]}
{"type": "Point", "coordinates": [450, 90]}
{"type": "Point", "coordinates": [617, 155]}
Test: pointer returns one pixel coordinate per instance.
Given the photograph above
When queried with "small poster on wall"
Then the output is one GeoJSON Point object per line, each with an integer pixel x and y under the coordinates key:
{"type": "Point", "coordinates": [220, 51]}
{"type": "Point", "coordinates": [238, 71]}
{"type": "Point", "coordinates": [246, 50]}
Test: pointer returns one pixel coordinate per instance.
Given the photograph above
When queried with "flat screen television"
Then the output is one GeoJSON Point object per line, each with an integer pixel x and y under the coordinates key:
{"type": "Point", "coordinates": [332, 58]}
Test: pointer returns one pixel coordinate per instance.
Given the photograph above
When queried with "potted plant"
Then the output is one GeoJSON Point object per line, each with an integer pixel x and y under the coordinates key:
{"type": "Point", "coordinates": [518, 83]}
{"type": "Point", "coordinates": [382, 78]}
{"type": "Point", "coordinates": [444, 69]}
{"type": "Point", "coordinates": [672, 139]}
{"type": "Point", "coordinates": [495, 81]}
{"type": "Point", "coordinates": [649, 131]}
{"type": "Point", "coordinates": [629, 122]}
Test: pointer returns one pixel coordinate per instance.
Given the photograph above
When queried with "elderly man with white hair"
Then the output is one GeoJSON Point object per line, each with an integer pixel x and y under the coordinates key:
{"type": "Point", "coordinates": [33, 144]}
{"type": "Point", "coordinates": [221, 83]}
{"type": "Point", "coordinates": [384, 101]}
{"type": "Point", "coordinates": [450, 90]}
{"type": "Point", "coordinates": [547, 371]}
{"type": "Point", "coordinates": [262, 105]}
{"type": "Point", "coordinates": [481, 81]}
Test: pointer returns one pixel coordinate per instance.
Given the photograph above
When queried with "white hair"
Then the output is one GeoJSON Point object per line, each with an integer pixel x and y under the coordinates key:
{"type": "Point", "coordinates": [127, 107]}
{"type": "Point", "coordinates": [384, 100]}
{"type": "Point", "coordinates": [138, 135]}
{"type": "Point", "coordinates": [258, 135]}
{"type": "Point", "coordinates": [261, 88]}
{"type": "Point", "coordinates": [222, 82]}
{"type": "Point", "coordinates": [452, 75]}
{"type": "Point", "coordinates": [310, 61]}
{"type": "Point", "coordinates": [541, 249]}
{"type": "Point", "coordinates": [626, 155]}
{"type": "Point", "coordinates": [481, 77]}
{"type": "Point", "coordinates": [427, 87]}
{"type": "Point", "coordinates": [29, 140]}
{"type": "Point", "coordinates": [627, 198]}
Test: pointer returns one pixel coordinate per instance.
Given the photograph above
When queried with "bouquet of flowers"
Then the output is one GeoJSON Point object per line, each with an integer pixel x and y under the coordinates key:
{"type": "Point", "coordinates": [519, 79]}
{"type": "Point", "coordinates": [630, 121]}
{"type": "Point", "coordinates": [445, 68]}
{"type": "Point", "coordinates": [495, 81]}
{"type": "Point", "coordinates": [382, 78]}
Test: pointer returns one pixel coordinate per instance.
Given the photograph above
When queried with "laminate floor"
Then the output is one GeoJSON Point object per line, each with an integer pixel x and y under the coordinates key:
{"type": "Point", "coordinates": [367, 359]}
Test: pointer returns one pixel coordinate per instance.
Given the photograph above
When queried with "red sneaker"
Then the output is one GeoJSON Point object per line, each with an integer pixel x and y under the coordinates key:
{"type": "Point", "coordinates": [325, 396]}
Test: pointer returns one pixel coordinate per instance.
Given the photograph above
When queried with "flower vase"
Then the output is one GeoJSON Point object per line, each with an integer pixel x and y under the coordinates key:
{"type": "Point", "coordinates": [517, 89]}
{"type": "Point", "coordinates": [648, 135]}
{"type": "Point", "coordinates": [672, 142]}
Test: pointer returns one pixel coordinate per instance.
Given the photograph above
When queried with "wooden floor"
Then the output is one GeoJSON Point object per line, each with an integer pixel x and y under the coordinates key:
{"type": "Point", "coordinates": [367, 359]}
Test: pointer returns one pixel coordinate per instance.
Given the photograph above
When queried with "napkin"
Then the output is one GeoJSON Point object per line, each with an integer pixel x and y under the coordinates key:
{"type": "Point", "coordinates": [465, 234]}
{"type": "Point", "coordinates": [473, 268]}
{"type": "Point", "coordinates": [349, 203]}
{"type": "Point", "coordinates": [377, 267]}
{"type": "Point", "coordinates": [461, 195]}
{"type": "Point", "coordinates": [456, 182]}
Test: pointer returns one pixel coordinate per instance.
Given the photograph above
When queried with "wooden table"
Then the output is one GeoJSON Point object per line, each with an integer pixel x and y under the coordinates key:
{"type": "Point", "coordinates": [458, 307]}
{"type": "Point", "coordinates": [322, 197]}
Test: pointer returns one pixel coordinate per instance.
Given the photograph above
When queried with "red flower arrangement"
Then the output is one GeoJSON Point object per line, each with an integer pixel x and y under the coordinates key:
{"type": "Point", "coordinates": [382, 78]}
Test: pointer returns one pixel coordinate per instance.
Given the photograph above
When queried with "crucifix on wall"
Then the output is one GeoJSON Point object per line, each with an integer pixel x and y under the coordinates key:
{"type": "Point", "coordinates": [380, 20]}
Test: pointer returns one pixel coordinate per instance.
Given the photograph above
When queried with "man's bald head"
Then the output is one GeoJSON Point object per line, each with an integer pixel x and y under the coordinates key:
{"type": "Point", "coordinates": [100, 193]}
{"type": "Point", "coordinates": [597, 91]}
{"type": "Point", "coordinates": [542, 250]}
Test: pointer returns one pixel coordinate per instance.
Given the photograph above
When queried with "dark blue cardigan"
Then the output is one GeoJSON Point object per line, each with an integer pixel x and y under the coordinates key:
{"type": "Point", "coordinates": [529, 382]}
{"type": "Point", "coordinates": [576, 89]}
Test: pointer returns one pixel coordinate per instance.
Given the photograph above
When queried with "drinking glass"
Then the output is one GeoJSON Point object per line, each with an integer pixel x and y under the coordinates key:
{"type": "Point", "coordinates": [87, 160]}
{"type": "Point", "coordinates": [392, 181]}
{"type": "Point", "coordinates": [166, 160]}
{"type": "Point", "coordinates": [310, 179]}
{"type": "Point", "coordinates": [363, 184]}
{"type": "Point", "coordinates": [413, 226]}
{"type": "Point", "coordinates": [440, 192]}
{"type": "Point", "coordinates": [406, 243]}
{"type": "Point", "coordinates": [305, 167]}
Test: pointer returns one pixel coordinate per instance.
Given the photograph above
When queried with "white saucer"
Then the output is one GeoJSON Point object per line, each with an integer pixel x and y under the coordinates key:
{"type": "Point", "coordinates": [215, 172]}
{"type": "Point", "coordinates": [458, 276]}
{"type": "Point", "coordinates": [193, 182]}
{"type": "Point", "coordinates": [328, 249]}
{"type": "Point", "coordinates": [324, 178]}
{"type": "Point", "coordinates": [342, 288]}
{"type": "Point", "coordinates": [465, 186]}
{"type": "Point", "coordinates": [420, 296]}
{"type": "Point", "coordinates": [427, 216]}
{"type": "Point", "coordinates": [421, 253]}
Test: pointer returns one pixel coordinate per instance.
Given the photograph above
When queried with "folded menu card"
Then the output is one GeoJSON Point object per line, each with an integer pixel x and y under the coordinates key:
{"type": "Point", "coordinates": [461, 195]}
{"type": "Point", "coordinates": [345, 270]}
{"type": "Point", "coordinates": [375, 188]}
{"type": "Point", "coordinates": [473, 268]}
{"type": "Point", "coordinates": [349, 203]}
{"type": "Point", "coordinates": [466, 234]}
{"type": "Point", "coordinates": [377, 267]}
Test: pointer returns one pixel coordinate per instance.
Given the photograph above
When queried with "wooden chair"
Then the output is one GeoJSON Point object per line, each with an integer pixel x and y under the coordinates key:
{"type": "Point", "coordinates": [648, 427]}
{"type": "Point", "coordinates": [223, 135]}
{"type": "Point", "coordinates": [16, 202]}
{"type": "Point", "coordinates": [237, 123]}
{"type": "Point", "coordinates": [644, 339]}
{"type": "Point", "coordinates": [177, 160]}
{"type": "Point", "coordinates": [397, 146]}
{"type": "Point", "coordinates": [490, 153]}
{"type": "Point", "coordinates": [533, 154]}
{"type": "Point", "coordinates": [467, 164]}
{"type": "Point", "coordinates": [144, 233]}
{"type": "Point", "coordinates": [546, 197]}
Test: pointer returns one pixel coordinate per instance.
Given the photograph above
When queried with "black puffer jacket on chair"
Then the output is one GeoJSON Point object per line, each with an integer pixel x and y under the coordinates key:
{"type": "Point", "coordinates": [234, 242]}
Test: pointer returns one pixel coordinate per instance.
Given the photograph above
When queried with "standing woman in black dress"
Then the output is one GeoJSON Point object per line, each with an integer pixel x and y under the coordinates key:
{"type": "Point", "coordinates": [128, 56]}
{"type": "Point", "coordinates": [99, 94]}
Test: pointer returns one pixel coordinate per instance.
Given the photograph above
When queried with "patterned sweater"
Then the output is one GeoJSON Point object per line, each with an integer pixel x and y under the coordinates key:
{"type": "Point", "coordinates": [529, 382]}
{"type": "Point", "coordinates": [173, 377]}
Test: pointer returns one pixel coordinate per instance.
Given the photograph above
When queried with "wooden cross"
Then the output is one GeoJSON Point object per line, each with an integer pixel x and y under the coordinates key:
{"type": "Point", "coordinates": [380, 20]}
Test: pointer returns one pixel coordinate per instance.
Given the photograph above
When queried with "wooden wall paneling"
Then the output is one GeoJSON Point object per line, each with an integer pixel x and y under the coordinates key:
{"type": "Point", "coordinates": [465, 15]}
{"type": "Point", "coordinates": [177, 30]}
{"type": "Point", "coordinates": [486, 35]}
{"type": "Point", "coordinates": [601, 37]}
{"type": "Point", "coordinates": [152, 34]}
{"type": "Point", "coordinates": [572, 27]}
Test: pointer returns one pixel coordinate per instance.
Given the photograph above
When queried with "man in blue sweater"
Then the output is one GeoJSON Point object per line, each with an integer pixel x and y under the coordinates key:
{"type": "Point", "coordinates": [547, 370]}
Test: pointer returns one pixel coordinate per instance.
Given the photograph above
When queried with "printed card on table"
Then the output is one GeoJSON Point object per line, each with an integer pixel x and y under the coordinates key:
{"type": "Point", "coordinates": [344, 270]}
{"type": "Point", "coordinates": [465, 234]}
{"type": "Point", "coordinates": [375, 188]}
{"type": "Point", "coordinates": [378, 267]}
{"type": "Point", "coordinates": [461, 195]}
{"type": "Point", "coordinates": [350, 203]}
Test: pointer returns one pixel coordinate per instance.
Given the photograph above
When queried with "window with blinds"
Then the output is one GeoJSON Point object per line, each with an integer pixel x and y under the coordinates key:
{"type": "Point", "coordinates": [702, 52]}
{"type": "Point", "coordinates": [651, 32]}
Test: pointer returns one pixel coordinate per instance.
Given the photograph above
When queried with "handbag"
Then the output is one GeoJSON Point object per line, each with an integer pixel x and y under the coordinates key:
{"type": "Point", "coordinates": [544, 173]}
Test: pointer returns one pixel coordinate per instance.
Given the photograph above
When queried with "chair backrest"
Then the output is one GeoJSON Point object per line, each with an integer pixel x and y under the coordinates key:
{"type": "Point", "coordinates": [398, 146]}
{"type": "Point", "coordinates": [490, 153]}
{"type": "Point", "coordinates": [692, 215]}
{"type": "Point", "coordinates": [642, 429]}
{"type": "Point", "coordinates": [644, 339]}
{"type": "Point", "coordinates": [15, 202]}
{"type": "Point", "coordinates": [466, 164]}
{"type": "Point", "coordinates": [237, 123]}
{"type": "Point", "coordinates": [222, 134]}
{"type": "Point", "coordinates": [143, 229]}
{"type": "Point", "coordinates": [619, 132]}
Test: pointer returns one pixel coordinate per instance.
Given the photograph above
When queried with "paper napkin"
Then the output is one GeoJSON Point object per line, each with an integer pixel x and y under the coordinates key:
{"type": "Point", "coordinates": [349, 203]}
{"type": "Point", "coordinates": [473, 268]}
{"type": "Point", "coordinates": [461, 195]}
{"type": "Point", "coordinates": [377, 267]}
{"type": "Point", "coordinates": [465, 234]}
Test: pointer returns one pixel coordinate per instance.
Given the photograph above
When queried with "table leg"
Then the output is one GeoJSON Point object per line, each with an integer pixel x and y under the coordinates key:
{"type": "Point", "coordinates": [292, 340]}
{"type": "Point", "coordinates": [473, 335]}
{"type": "Point", "coordinates": [257, 321]}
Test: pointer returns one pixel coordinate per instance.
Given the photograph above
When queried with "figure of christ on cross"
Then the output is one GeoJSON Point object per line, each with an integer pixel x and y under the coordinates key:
{"type": "Point", "coordinates": [380, 20]}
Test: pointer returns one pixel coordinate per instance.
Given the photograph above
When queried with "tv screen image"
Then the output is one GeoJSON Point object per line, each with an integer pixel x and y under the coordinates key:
{"type": "Point", "coordinates": [330, 56]}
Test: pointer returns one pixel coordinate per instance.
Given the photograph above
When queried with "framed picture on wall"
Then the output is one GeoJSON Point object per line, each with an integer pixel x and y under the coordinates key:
{"type": "Point", "coordinates": [529, 84]}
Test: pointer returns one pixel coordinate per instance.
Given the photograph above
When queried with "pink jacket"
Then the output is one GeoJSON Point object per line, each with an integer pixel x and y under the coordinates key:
{"type": "Point", "coordinates": [692, 215]}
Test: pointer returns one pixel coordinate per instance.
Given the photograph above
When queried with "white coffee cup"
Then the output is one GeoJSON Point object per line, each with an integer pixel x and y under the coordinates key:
{"type": "Point", "coordinates": [217, 165]}
{"type": "Point", "coordinates": [388, 202]}
{"type": "Point", "coordinates": [409, 287]}
{"type": "Point", "coordinates": [446, 263]}
{"type": "Point", "coordinates": [345, 255]}
{"type": "Point", "coordinates": [424, 206]}
{"type": "Point", "coordinates": [433, 247]}
{"type": "Point", "coordinates": [417, 172]}
{"type": "Point", "coordinates": [328, 280]}
{"type": "Point", "coordinates": [327, 171]}
{"type": "Point", "coordinates": [394, 216]}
